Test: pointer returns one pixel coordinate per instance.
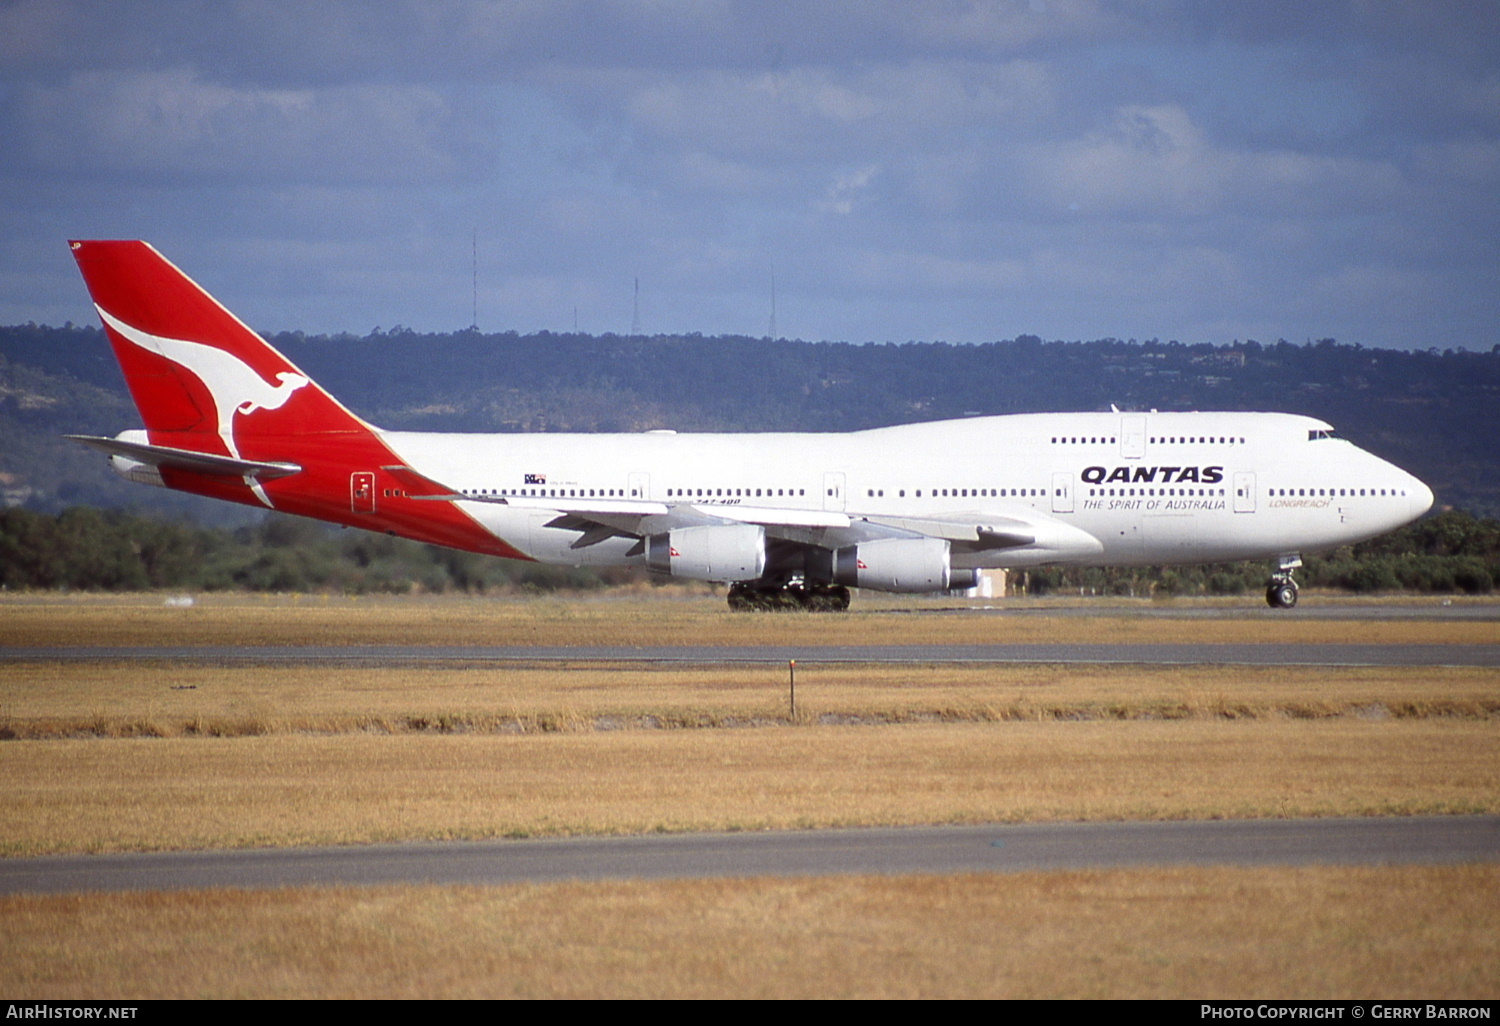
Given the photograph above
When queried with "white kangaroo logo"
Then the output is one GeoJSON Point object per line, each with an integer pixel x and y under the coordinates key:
{"type": "Point", "coordinates": [234, 385]}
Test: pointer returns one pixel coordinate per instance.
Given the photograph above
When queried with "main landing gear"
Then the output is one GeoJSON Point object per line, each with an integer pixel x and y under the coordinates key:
{"type": "Point", "coordinates": [815, 598]}
{"type": "Point", "coordinates": [1281, 591]}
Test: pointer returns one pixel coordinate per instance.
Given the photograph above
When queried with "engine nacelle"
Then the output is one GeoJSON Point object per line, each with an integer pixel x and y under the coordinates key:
{"type": "Point", "coordinates": [899, 564]}
{"type": "Point", "coordinates": [731, 552]}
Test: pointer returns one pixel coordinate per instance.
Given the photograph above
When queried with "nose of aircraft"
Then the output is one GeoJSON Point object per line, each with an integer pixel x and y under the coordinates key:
{"type": "Point", "coordinates": [1421, 498]}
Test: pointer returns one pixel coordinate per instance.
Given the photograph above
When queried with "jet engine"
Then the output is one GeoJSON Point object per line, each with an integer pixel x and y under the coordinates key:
{"type": "Point", "coordinates": [899, 564]}
{"type": "Point", "coordinates": [732, 552]}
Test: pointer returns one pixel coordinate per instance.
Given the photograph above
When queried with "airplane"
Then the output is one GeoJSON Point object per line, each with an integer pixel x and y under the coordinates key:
{"type": "Point", "coordinates": [786, 520]}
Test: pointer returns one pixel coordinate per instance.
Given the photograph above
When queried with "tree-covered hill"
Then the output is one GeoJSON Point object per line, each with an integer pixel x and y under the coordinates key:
{"type": "Point", "coordinates": [1435, 413]}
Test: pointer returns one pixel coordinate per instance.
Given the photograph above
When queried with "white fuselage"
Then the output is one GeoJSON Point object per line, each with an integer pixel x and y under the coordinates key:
{"type": "Point", "coordinates": [1151, 488]}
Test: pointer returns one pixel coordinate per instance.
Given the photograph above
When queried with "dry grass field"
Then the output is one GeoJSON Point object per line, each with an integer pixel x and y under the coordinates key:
{"type": "Point", "coordinates": [152, 698]}
{"type": "Point", "coordinates": [125, 755]}
{"type": "Point", "coordinates": [294, 789]}
{"type": "Point", "coordinates": [1316, 932]}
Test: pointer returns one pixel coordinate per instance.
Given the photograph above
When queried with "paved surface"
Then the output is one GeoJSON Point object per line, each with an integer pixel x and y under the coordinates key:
{"type": "Point", "coordinates": [1310, 610]}
{"type": "Point", "coordinates": [1218, 654]}
{"type": "Point", "coordinates": [1000, 848]}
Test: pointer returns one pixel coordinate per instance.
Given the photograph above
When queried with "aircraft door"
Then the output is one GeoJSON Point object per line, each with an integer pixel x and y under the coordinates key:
{"type": "Point", "coordinates": [1244, 492]}
{"type": "Point", "coordinates": [833, 491]}
{"type": "Point", "coordinates": [1062, 492]}
{"type": "Point", "coordinates": [640, 486]}
{"type": "Point", "coordinates": [362, 492]}
{"type": "Point", "coordinates": [1133, 436]}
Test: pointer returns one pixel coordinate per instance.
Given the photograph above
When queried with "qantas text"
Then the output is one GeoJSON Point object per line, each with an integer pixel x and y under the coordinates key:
{"type": "Point", "coordinates": [1153, 475]}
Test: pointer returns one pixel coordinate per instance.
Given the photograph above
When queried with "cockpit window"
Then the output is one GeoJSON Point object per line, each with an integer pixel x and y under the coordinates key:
{"type": "Point", "coordinates": [1317, 433]}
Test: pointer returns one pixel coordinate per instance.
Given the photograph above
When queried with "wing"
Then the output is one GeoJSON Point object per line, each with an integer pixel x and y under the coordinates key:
{"type": "Point", "coordinates": [1014, 535]}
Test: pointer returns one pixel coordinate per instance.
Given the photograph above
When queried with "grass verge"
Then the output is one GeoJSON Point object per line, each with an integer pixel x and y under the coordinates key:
{"type": "Point", "coordinates": [89, 795]}
{"type": "Point", "coordinates": [41, 701]}
{"type": "Point", "coordinates": [1315, 932]}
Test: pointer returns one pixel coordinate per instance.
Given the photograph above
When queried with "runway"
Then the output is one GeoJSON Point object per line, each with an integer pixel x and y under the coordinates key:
{"type": "Point", "coordinates": [1160, 654]}
{"type": "Point", "coordinates": [982, 849]}
{"type": "Point", "coordinates": [997, 848]}
{"type": "Point", "coordinates": [1187, 610]}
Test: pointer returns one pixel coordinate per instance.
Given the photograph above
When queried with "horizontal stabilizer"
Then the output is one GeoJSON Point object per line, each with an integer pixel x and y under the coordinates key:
{"type": "Point", "coordinates": [185, 459]}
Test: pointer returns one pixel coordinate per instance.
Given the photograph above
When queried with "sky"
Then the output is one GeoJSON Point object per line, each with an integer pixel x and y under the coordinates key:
{"type": "Point", "coordinates": [890, 171]}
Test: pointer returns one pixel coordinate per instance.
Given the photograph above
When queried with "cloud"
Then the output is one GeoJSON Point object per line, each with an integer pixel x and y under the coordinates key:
{"type": "Point", "coordinates": [1156, 162]}
{"type": "Point", "coordinates": [846, 189]}
{"type": "Point", "coordinates": [170, 125]}
{"type": "Point", "coordinates": [969, 169]}
{"type": "Point", "coordinates": [814, 112]}
{"type": "Point", "coordinates": [321, 42]}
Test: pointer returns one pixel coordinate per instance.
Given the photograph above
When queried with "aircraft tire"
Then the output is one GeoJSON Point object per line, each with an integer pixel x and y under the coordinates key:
{"type": "Point", "coordinates": [1281, 595]}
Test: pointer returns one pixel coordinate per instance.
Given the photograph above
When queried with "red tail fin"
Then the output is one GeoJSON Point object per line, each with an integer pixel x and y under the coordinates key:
{"type": "Point", "coordinates": [228, 416]}
{"type": "Point", "coordinates": [201, 379]}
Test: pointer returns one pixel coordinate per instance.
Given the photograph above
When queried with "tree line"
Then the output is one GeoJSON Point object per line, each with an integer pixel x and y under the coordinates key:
{"type": "Point", "coordinates": [88, 549]}
{"type": "Point", "coordinates": [1450, 553]}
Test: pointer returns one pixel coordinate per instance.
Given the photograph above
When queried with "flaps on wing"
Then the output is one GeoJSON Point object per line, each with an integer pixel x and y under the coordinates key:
{"type": "Point", "coordinates": [589, 507]}
{"type": "Point", "coordinates": [590, 532]}
{"type": "Point", "coordinates": [976, 529]}
{"type": "Point", "coordinates": [598, 520]}
{"type": "Point", "coordinates": [186, 459]}
{"type": "Point", "coordinates": [1025, 535]}
{"type": "Point", "coordinates": [999, 538]}
{"type": "Point", "coordinates": [769, 516]}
